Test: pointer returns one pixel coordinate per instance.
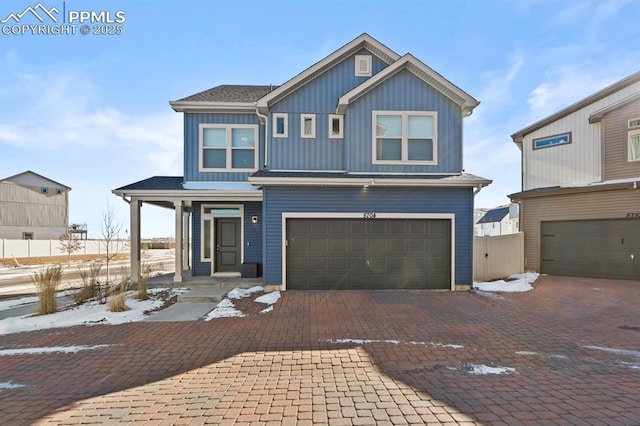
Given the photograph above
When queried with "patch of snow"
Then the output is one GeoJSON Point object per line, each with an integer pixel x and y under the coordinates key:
{"type": "Point", "coordinates": [269, 298]}
{"type": "Point", "coordinates": [13, 303]}
{"type": "Point", "coordinates": [481, 369]}
{"type": "Point", "coordinates": [634, 354]}
{"type": "Point", "coordinates": [397, 342]}
{"type": "Point", "coordinates": [224, 309]}
{"type": "Point", "coordinates": [266, 310]}
{"type": "Point", "coordinates": [239, 293]}
{"type": "Point", "coordinates": [520, 283]}
{"type": "Point", "coordinates": [528, 353]}
{"type": "Point", "coordinates": [9, 385]}
{"type": "Point", "coordinates": [50, 350]}
{"type": "Point", "coordinates": [89, 313]}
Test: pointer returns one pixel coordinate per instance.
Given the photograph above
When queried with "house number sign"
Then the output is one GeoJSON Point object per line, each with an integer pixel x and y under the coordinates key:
{"type": "Point", "coordinates": [633, 215]}
{"type": "Point", "coordinates": [368, 215]}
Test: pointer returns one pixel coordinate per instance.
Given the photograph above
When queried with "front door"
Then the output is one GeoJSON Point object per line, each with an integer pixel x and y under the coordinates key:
{"type": "Point", "coordinates": [227, 243]}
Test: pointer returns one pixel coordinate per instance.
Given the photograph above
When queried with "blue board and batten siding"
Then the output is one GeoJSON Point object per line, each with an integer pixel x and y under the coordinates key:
{"type": "Point", "coordinates": [192, 154]}
{"type": "Point", "coordinates": [252, 244]}
{"type": "Point", "coordinates": [318, 97]}
{"type": "Point", "coordinates": [458, 201]}
{"type": "Point", "coordinates": [403, 92]}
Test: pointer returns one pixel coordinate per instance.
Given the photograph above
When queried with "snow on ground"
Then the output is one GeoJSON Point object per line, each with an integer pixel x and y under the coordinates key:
{"type": "Point", "coordinates": [520, 283]}
{"type": "Point", "coordinates": [10, 385]}
{"type": "Point", "coordinates": [226, 308]}
{"type": "Point", "coordinates": [12, 303]}
{"type": "Point", "coordinates": [481, 369]}
{"type": "Point", "coordinates": [634, 354]}
{"type": "Point", "coordinates": [50, 350]}
{"type": "Point", "coordinates": [86, 314]}
{"type": "Point", "coordinates": [398, 342]}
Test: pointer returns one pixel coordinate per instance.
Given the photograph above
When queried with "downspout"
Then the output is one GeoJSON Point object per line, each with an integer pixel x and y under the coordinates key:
{"type": "Point", "coordinates": [125, 199]}
{"type": "Point", "coordinates": [264, 118]}
{"type": "Point", "coordinates": [477, 189]}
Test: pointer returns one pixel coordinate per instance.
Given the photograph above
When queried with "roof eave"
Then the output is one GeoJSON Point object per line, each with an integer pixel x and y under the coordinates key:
{"type": "Point", "coordinates": [254, 194]}
{"type": "Point", "coordinates": [202, 106]}
{"type": "Point", "coordinates": [367, 182]}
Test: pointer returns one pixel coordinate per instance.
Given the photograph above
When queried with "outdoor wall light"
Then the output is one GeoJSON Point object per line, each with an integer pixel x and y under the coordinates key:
{"type": "Point", "coordinates": [254, 219]}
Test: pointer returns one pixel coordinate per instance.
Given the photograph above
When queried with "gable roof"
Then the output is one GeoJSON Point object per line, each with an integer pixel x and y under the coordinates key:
{"type": "Point", "coordinates": [363, 41]}
{"type": "Point", "coordinates": [29, 172]}
{"type": "Point", "coordinates": [494, 215]}
{"type": "Point", "coordinates": [625, 82]}
{"type": "Point", "coordinates": [419, 69]}
{"type": "Point", "coordinates": [228, 96]}
{"type": "Point", "coordinates": [597, 116]}
{"type": "Point", "coordinates": [171, 183]}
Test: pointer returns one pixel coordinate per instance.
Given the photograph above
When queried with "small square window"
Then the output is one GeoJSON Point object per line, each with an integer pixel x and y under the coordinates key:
{"type": "Point", "coordinates": [44, 190]}
{"type": "Point", "coordinates": [58, 191]}
{"type": "Point", "coordinates": [280, 125]}
{"type": "Point", "coordinates": [307, 125]}
{"type": "Point", "coordinates": [336, 123]}
{"type": "Point", "coordinates": [27, 235]}
{"type": "Point", "coordinates": [363, 65]}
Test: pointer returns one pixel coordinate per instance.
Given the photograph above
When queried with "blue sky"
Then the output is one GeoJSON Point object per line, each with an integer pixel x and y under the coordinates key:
{"type": "Point", "coordinates": [91, 111]}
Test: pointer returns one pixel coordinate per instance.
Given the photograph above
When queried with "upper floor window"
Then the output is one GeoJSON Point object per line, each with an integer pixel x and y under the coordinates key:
{"type": "Point", "coordinates": [405, 137]}
{"type": "Point", "coordinates": [554, 140]}
{"type": "Point", "coordinates": [280, 125]}
{"type": "Point", "coordinates": [307, 125]}
{"type": "Point", "coordinates": [363, 65]}
{"type": "Point", "coordinates": [225, 147]}
{"type": "Point", "coordinates": [336, 124]}
{"type": "Point", "coordinates": [634, 145]}
{"type": "Point", "coordinates": [634, 124]}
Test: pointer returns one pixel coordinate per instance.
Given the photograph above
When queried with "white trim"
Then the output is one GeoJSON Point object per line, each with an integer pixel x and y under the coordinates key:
{"type": "Point", "coordinates": [311, 135]}
{"type": "Point", "coordinates": [192, 195]}
{"type": "Point", "coordinates": [328, 181]}
{"type": "Point", "coordinates": [340, 119]}
{"type": "Point", "coordinates": [363, 41]}
{"type": "Point", "coordinates": [404, 116]}
{"type": "Point", "coordinates": [209, 216]}
{"type": "Point", "coordinates": [228, 148]}
{"type": "Point", "coordinates": [359, 215]}
{"type": "Point", "coordinates": [363, 60]}
{"type": "Point", "coordinates": [201, 106]}
{"type": "Point", "coordinates": [636, 126]}
{"type": "Point", "coordinates": [285, 117]}
{"type": "Point", "coordinates": [630, 151]}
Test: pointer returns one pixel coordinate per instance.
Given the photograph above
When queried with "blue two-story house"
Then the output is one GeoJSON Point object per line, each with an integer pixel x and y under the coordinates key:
{"type": "Point", "coordinates": [347, 176]}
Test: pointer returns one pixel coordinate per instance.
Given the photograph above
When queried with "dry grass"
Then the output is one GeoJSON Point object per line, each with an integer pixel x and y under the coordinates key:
{"type": "Point", "coordinates": [117, 303]}
{"type": "Point", "coordinates": [47, 282]}
{"type": "Point", "coordinates": [90, 286]}
{"type": "Point", "coordinates": [143, 281]}
{"type": "Point", "coordinates": [58, 260]}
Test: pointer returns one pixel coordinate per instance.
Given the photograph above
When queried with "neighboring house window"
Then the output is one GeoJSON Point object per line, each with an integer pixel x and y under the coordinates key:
{"type": "Point", "coordinates": [27, 235]}
{"type": "Point", "coordinates": [44, 190]}
{"type": "Point", "coordinates": [634, 124]}
{"type": "Point", "coordinates": [228, 147]}
{"type": "Point", "coordinates": [58, 191]}
{"type": "Point", "coordinates": [336, 123]}
{"type": "Point", "coordinates": [280, 125]}
{"type": "Point", "coordinates": [634, 145]}
{"type": "Point", "coordinates": [405, 137]}
{"type": "Point", "coordinates": [308, 125]}
{"type": "Point", "coordinates": [550, 141]}
{"type": "Point", "coordinates": [363, 65]}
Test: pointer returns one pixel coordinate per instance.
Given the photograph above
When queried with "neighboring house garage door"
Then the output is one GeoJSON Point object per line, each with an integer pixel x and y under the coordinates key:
{"type": "Point", "coordinates": [340, 253]}
{"type": "Point", "coordinates": [607, 248]}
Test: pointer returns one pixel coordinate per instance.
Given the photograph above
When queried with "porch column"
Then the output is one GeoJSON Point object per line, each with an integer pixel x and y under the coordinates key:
{"type": "Point", "coordinates": [134, 243]}
{"type": "Point", "coordinates": [177, 278]}
{"type": "Point", "coordinates": [187, 245]}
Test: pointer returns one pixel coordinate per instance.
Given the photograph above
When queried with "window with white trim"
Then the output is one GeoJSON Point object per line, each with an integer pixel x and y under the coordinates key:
{"type": "Point", "coordinates": [363, 65]}
{"type": "Point", "coordinates": [225, 147]}
{"type": "Point", "coordinates": [336, 124]}
{"type": "Point", "coordinates": [634, 145]}
{"type": "Point", "coordinates": [634, 124]}
{"type": "Point", "coordinates": [280, 125]}
{"type": "Point", "coordinates": [405, 137]}
{"type": "Point", "coordinates": [307, 125]}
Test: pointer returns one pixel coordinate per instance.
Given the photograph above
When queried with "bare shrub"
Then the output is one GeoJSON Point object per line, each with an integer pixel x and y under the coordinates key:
{"type": "Point", "coordinates": [143, 281]}
{"type": "Point", "coordinates": [47, 282]}
{"type": "Point", "coordinates": [117, 300]}
{"type": "Point", "coordinates": [117, 303]}
{"type": "Point", "coordinates": [69, 243]}
{"type": "Point", "coordinates": [90, 285]}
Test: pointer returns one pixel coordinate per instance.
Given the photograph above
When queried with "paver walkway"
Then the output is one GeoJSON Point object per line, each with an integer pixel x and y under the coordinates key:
{"type": "Point", "coordinates": [569, 353]}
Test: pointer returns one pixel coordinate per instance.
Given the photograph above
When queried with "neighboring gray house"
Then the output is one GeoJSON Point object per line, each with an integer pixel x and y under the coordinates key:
{"type": "Point", "coordinates": [499, 221]}
{"type": "Point", "coordinates": [33, 207]}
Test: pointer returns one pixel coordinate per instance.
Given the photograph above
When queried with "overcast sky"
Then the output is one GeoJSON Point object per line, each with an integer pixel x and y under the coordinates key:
{"type": "Point", "coordinates": [91, 111]}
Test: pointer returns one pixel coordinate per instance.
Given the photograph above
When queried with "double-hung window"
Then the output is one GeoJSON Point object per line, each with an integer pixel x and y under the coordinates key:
{"type": "Point", "coordinates": [225, 147]}
{"type": "Point", "coordinates": [405, 137]}
{"type": "Point", "coordinates": [634, 145]}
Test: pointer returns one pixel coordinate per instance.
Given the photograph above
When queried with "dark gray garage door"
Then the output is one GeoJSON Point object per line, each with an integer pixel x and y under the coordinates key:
{"type": "Point", "coordinates": [368, 254]}
{"type": "Point", "coordinates": [592, 248]}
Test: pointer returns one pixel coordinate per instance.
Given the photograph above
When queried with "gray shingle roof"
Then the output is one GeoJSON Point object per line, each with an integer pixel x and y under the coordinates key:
{"type": "Point", "coordinates": [495, 215]}
{"type": "Point", "coordinates": [230, 93]}
{"type": "Point", "coordinates": [165, 183]}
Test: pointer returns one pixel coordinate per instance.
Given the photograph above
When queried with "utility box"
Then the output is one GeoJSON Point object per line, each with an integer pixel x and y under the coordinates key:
{"type": "Point", "coordinates": [249, 270]}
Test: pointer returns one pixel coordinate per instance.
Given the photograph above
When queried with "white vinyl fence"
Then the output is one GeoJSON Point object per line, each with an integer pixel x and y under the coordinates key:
{"type": "Point", "coordinates": [498, 256]}
{"type": "Point", "coordinates": [40, 248]}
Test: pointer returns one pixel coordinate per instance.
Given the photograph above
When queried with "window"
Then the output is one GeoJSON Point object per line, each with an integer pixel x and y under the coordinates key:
{"type": "Point", "coordinates": [634, 145]}
{"type": "Point", "coordinates": [208, 216]}
{"type": "Point", "coordinates": [280, 125]}
{"type": "Point", "coordinates": [58, 191]}
{"type": "Point", "coordinates": [228, 147]}
{"type": "Point", "coordinates": [307, 125]}
{"type": "Point", "coordinates": [550, 141]}
{"type": "Point", "coordinates": [27, 235]}
{"type": "Point", "coordinates": [44, 190]}
{"type": "Point", "coordinates": [634, 124]}
{"type": "Point", "coordinates": [336, 122]}
{"type": "Point", "coordinates": [363, 65]}
{"type": "Point", "coordinates": [406, 137]}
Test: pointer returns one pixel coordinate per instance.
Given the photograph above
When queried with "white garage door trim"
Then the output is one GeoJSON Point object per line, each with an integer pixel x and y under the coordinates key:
{"type": "Point", "coordinates": [366, 216]}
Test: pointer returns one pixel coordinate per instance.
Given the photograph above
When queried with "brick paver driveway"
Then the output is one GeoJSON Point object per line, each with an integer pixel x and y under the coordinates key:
{"type": "Point", "coordinates": [569, 353]}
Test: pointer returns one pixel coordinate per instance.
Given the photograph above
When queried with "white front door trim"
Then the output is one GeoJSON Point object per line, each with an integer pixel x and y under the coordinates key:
{"type": "Point", "coordinates": [212, 217]}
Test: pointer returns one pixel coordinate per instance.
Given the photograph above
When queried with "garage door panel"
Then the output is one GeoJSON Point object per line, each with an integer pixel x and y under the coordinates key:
{"type": "Point", "coordinates": [368, 254]}
{"type": "Point", "coordinates": [591, 248]}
